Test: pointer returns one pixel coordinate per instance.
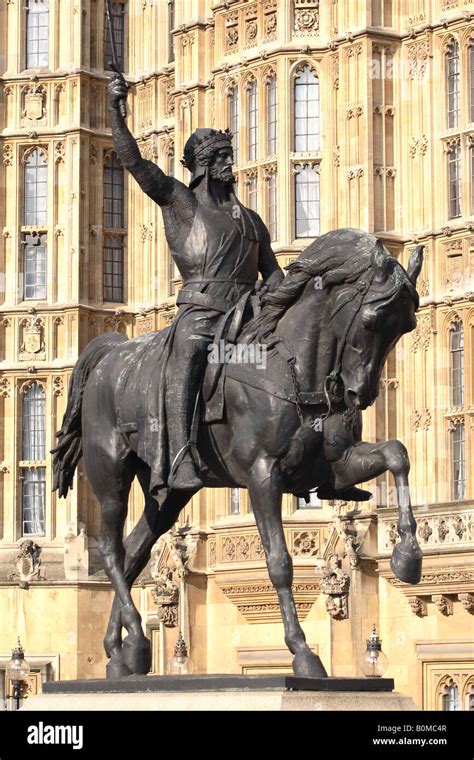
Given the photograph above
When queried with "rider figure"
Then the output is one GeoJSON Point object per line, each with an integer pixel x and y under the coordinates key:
{"type": "Point", "coordinates": [219, 247]}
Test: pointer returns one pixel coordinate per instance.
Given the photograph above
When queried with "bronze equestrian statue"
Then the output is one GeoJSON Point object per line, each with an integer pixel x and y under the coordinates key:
{"type": "Point", "coordinates": [327, 328]}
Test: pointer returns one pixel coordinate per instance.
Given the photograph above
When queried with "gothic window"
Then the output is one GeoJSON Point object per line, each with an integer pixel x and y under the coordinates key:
{"type": "Point", "coordinates": [471, 80]}
{"type": "Point", "coordinates": [453, 84]}
{"type": "Point", "coordinates": [174, 275]}
{"type": "Point", "coordinates": [454, 180]}
{"type": "Point", "coordinates": [37, 23]}
{"type": "Point", "coordinates": [458, 461]}
{"type": "Point", "coordinates": [306, 111]}
{"type": "Point", "coordinates": [34, 239]}
{"type": "Point", "coordinates": [33, 454]}
{"type": "Point", "coordinates": [233, 102]}
{"type": "Point", "coordinates": [171, 22]}
{"type": "Point", "coordinates": [272, 211]}
{"type": "Point", "coordinates": [271, 99]}
{"type": "Point", "coordinates": [235, 501]}
{"type": "Point", "coordinates": [252, 121]}
{"type": "Point", "coordinates": [457, 364]}
{"type": "Point", "coordinates": [451, 701]}
{"type": "Point", "coordinates": [171, 162]}
{"type": "Point", "coordinates": [35, 189]}
{"type": "Point", "coordinates": [471, 159]}
{"type": "Point", "coordinates": [118, 23]}
{"type": "Point", "coordinates": [307, 211]}
{"type": "Point", "coordinates": [253, 193]}
{"type": "Point", "coordinates": [114, 230]}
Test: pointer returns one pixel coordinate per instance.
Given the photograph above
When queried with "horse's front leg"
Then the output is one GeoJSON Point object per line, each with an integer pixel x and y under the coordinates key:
{"type": "Point", "coordinates": [265, 490]}
{"type": "Point", "coordinates": [365, 461]}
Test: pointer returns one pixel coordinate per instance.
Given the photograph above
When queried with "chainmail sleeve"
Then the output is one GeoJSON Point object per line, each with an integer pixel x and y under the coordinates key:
{"type": "Point", "coordinates": [152, 180]}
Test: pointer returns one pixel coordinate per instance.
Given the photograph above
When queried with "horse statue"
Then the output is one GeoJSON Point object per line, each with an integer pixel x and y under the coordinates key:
{"type": "Point", "coordinates": [328, 329]}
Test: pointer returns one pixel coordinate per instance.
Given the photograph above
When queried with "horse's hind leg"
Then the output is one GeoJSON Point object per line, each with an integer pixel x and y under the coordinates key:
{"type": "Point", "coordinates": [368, 460]}
{"type": "Point", "coordinates": [265, 495]}
{"type": "Point", "coordinates": [138, 544]}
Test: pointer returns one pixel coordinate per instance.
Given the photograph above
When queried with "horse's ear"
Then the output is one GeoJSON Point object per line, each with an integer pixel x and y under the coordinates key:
{"type": "Point", "coordinates": [415, 263]}
{"type": "Point", "coordinates": [380, 258]}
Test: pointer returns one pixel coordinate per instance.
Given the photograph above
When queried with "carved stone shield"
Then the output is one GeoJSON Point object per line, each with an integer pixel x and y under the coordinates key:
{"type": "Point", "coordinates": [32, 340]}
{"type": "Point", "coordinates": [34, 106]}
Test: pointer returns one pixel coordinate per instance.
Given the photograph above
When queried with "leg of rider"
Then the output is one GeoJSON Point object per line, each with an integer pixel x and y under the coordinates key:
{"type": "Point", "coordinates": [185, 371]}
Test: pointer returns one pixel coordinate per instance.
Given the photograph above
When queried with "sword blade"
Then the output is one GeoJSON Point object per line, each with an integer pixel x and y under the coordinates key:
{"type": "Point", "coordinates": [108, 10]}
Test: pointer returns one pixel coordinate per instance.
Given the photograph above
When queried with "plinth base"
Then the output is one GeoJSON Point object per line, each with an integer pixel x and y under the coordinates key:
{"type": "Point", "coordinates": [226, 692]}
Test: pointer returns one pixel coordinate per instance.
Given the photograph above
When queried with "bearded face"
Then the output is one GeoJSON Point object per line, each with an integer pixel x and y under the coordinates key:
{"type": "Point", "coordinates": [221, 167]}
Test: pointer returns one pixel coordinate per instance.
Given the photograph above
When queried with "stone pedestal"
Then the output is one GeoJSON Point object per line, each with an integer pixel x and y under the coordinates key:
{"type": "Point", "coordinates": [239, 693]}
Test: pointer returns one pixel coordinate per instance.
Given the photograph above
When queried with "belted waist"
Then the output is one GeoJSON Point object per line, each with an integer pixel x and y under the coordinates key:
{"type": "Point", "coordinates": [205, 300]}
{"type": "Point", "coordinates": [207, 280]}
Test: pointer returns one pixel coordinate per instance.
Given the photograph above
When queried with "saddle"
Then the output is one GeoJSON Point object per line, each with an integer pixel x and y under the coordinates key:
{"type": "Point", "coordinates": [228, 330]}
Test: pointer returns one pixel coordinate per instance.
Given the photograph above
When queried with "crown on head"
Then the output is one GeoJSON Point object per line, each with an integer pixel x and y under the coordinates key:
{"type": "Point", "coordinates": [200, 145]}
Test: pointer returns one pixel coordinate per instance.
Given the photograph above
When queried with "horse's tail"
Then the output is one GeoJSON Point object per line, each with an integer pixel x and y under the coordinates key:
{"type": "Point", "coordinates": [68, 452]}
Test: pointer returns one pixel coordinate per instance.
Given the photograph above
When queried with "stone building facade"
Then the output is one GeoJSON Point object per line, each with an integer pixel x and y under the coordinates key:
{"type": "Point", "coordinates": [344, 113]}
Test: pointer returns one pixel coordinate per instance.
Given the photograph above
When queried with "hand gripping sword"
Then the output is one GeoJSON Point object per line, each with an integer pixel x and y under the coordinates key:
{"type": "Point", "coordinates": [114, 64]}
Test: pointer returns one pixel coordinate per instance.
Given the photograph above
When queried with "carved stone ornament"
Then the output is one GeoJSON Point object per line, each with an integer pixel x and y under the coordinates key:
{"type": "Point", "coordinates": [336, 606]}
{"type": "Point", "coordinates": [166, 596]}
{"type": "Point", "coordinates": [33, 342]}
{"type": "Point", "coordinates": [335, 583]}
{"type": "Point", "coordinates": [467, 601]}
{"type": "Point", "coordinates": [443, 603]}
{"type": "Point", "coordinates": [418, 606]}
{"type": "Point", "coordinates": [27, 563]}
{"type": "Point", "coordinates": [306, 17]}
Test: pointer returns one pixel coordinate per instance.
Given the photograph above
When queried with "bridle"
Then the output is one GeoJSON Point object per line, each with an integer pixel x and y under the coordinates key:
{"type": "Point", "coordinates": [363, 287]}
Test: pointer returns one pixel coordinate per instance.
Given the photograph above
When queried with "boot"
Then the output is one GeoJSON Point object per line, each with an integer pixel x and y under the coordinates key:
{"type": "Point", "coordinates": [184, 476]}
{"type": "Point", "coordinates": [327, 491]}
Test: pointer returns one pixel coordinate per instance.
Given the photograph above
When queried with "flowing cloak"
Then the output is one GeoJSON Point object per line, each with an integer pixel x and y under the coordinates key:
{"type": "Point", "coordinates": [221, 258]}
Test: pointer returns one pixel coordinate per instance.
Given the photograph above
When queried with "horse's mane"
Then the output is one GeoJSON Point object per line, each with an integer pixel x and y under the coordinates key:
{"type": "Point", "coordinates": [340, 256]}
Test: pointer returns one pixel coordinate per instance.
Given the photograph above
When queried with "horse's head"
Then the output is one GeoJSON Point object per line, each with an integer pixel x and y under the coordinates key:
{"type": "Point", "coordinates": [369, 316]}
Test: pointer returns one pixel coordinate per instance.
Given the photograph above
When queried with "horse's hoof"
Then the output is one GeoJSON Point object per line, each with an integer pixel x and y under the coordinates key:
{"type": "Point", "coordinates": [117, 669]}
{"type": "Point", "coordinates": [308, 665]}
{"type": "Point", "coordinates": [406, 562]}
{"type": "Point", "coordinates": [137, 654]}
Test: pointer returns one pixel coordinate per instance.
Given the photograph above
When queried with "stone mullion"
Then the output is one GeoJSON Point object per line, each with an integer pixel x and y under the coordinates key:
{"type": "Point", "coordinates": [10, 479]}
{"type": "Point", "coordinates": [85, 33]}
{"type": "Point", "coordinates": [285, 177]}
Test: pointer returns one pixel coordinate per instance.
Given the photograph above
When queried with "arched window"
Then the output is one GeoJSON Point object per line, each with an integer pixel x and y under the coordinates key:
{"type": "Point", "coordinates": [34, 435]}
{"type": "Point", "coordinates": [171, 22]}
{"type": "Point", "coordinates": [271, 100]}
{"type": "Point", "coordinates": [118, 22]}
{"type": "Point", "coordinates": [470, 699]}
{"type": "Point", "coordinates": [114, 229]}
{"type": "Point", "coordinates": [453, 84]}
{"type": "Point", "coordinates": [458, 461]}
{"type": "Point", "coordinates": [451, 701]}
{"type": "Point", "coordinates": [471, 80]}
{"type": "Point", "coordinates": [35, 189]}
{"type": "Point", "coordinates": [454, 180]}
{"type": "Point", "coordinates": [253, 193]}
{"type": "Point", "coordinates": [37, 34]}
{"type": "Point", "coordinates": [33, 447]}
{"type": "Point", "coordinates": [235, 501]}
{"type": "Point", "coordinates": [170, 157]}
{"type": "Point", "coordinates": [252, 121]}
{"type": "Point", "coordinates": [306, 109]}
{"type": "Point", "coordinates": [272, 210]}
{"type": "Point", "coordinates": [457, 363]}
{"type": "Point", "coordinates": [233, 102]}
{"type": "Point", "coordinates": [34, 241]}
{"type": "Point", "coordinates": [307, 210]}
